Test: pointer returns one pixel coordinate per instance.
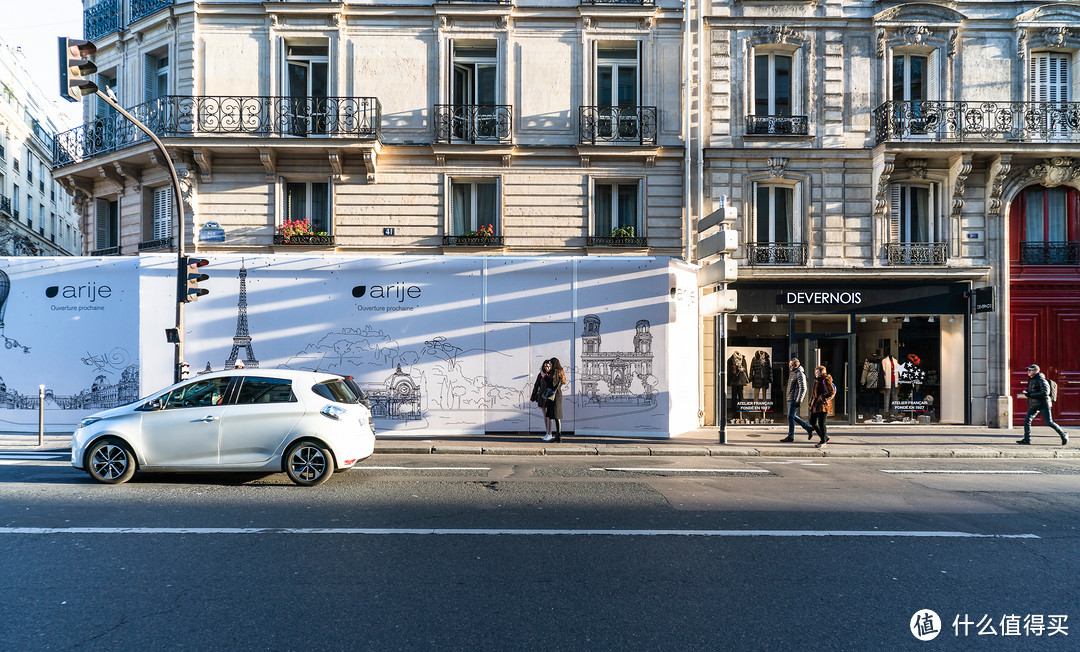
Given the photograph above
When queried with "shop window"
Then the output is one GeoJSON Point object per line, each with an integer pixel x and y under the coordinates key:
{"type": "Point", "coordinates": [1050, 219]}
{"type": "Point", "coordinates": [306, 82]}
{"type": "Point", "coordinates": [616, 209]}
{"type": "Point", "coordinates": [474, 206]}
{"type": "Point", "coordinates": [308, 200]}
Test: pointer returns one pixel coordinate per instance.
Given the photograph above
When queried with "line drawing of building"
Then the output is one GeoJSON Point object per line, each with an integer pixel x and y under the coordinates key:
{"type": "Point", "coordinates": [617, 370]}
{"type": "Point", "coordinates": [102, 395]}
{"type": "Point", "coordinates": [242, 339]}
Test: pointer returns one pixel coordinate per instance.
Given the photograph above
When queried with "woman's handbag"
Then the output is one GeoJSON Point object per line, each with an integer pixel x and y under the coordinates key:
{"type": "Point", "coordinates": [549, 394]}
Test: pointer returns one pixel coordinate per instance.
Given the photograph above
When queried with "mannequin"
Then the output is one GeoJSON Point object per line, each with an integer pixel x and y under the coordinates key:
{"type": "Point", "coordinates": [738, 376]}
{"type": "Point", "coordinates": [760, 374]}
{"type": "Point", "coordinates": [889, 384]}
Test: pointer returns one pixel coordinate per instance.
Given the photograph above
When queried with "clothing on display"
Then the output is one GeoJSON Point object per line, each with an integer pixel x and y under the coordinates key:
{"type": "Point", "coordinates": [760, 374]}
{"type": "Point", "coordinates": [871, 371]}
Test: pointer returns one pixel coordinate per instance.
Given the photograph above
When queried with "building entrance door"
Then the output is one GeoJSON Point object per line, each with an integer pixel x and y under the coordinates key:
{"type": "Point", "coordinates": [834, 351]}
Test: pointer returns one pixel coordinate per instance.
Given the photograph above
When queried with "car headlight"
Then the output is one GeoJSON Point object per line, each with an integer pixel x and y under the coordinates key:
{"type": "Point", "coordinates": [88, 421]}
{"type": "Point", "coordinates": [333, 412]}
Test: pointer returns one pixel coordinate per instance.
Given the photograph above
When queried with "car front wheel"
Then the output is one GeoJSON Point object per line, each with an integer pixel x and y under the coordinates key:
{"type": "Point", "coordinates": [308, 463]}
{"type": "Point", "coordinates": [110, 461]}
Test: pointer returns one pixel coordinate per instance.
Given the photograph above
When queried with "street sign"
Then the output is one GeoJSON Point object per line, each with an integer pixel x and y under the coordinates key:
{"type": "Point", "coordinates": [725, 270]}
{"type": "Point", "coordinates": [723, 241]}
{"type": "Point", "coordinates": [722, 214]}
{"type": "Point", "coordinates": [718, 303]}
{"type": "Point", "coordinates": [985, 300]}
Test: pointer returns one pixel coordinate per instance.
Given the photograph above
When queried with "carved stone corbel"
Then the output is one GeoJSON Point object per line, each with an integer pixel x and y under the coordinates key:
{"type": "Point", "coordinates": [999, 170]}
{"type": "Point", "coordinates": [960, 168]}
{"type": "Point", "coordinates": [646, 22]}
{"type": "Point", "coordinates": [370, 159]}
{"type": "Point", "coordinates": [204, 160]}
{"type": "Point", "coordinates": [333, 20]}
{"type": "Point", "coordinates": [275, 20]}
{"type": "Point", "coordinates": [187, 189]}
{"type": "Point", "coordinates": [269, 161]}
{"type": "Point", "coordinates": [954, 35]}
{"type": "Point", "coordinates": [1021, 43]}
{"type": "Point", "coordinates": [1055, 37]}
{"type": "Point", "coordinates": [916, 168]}
{"type": "Point", "coordinates": [881, 38]}
{"type": "Point", "coordinates": [128, 173]}
{"type": "Point", "coordinates": [585, 161]}
{"type": "Point", "coordinates": [111, 176]}
{"type": "Point", "coordinates": [440, 159]}
{"type": "Point", "coordinates": [650, 161]}
{"type": "Point", "coordinates": [587, 22]}
{"type": "Point", "coordinates": [881, 198]}
{"type": "Point", "coordinates": [503, 22]}
{"type": "Point", "coordinates": [777, 167]}
{"type": "Point", "coordinates": [506, 160]}
{"type": "Point", "coordinates": [336, 161]}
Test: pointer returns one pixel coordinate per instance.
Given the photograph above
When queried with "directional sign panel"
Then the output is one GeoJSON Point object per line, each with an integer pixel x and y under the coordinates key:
{"type": "Point", "coordinates": [725, 270]}
{"type": "Point", "coordinates": [724, 214]}
{"type": "Point", "coordinates": [718, 303]}
{"type": "Point", "coordinates": [723, 241]}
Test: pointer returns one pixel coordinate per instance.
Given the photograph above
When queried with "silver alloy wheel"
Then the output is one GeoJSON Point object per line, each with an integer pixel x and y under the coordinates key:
{"type": "Point", "coordinates": [111, 462]}
{"type": "Point", "coordinates": [308, 464]}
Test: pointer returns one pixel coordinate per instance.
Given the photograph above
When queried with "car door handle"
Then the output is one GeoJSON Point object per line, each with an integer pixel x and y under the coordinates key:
{"type": "Point", "coordinates": [208, 418]}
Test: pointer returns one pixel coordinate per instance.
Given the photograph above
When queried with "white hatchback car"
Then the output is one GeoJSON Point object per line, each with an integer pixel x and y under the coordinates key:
{"type": "Point", "coordinates": [307, 424]}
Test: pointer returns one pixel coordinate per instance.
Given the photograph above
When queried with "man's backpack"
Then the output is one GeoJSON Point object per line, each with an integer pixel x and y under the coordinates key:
{"type": "Point", "coordinates": [1053, 390]}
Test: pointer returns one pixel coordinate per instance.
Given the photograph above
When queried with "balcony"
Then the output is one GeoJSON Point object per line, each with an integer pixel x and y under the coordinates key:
{"type": "Point", "coordinates": [617, 241]}
{"type": "Point", "coordinates": [473, 241]}
{"type": "Point", "coordinates": [267, 116]}
{"type": "Point", "coordinates": [308, 240]}
{"type": "Point", "coordinates": [633, 125]}
{"type": "Point", "coordinates": [5, 205]}
{"type": "Point", "coordinates": [917, 253]}
{"type": "Point", "coordinates": [780, 125]}
{"type": "Point", "coordinates": [106, 251]}
{"type": "Point", "coordinates": [777, 253]}
{"type": "Point", "coordinates": [143, 8]}
{"type": "Point", "coordinates": [473, 123]}
{"type": "Point", "coordinates": [640, 3]}
{"type": "Point", "coordinates": [102, 19]}
{"type": "Point", "coordinates": [1050, 253]}
{"type": "Point", "coordinates": [977, 121]}
{"type": "Point", "coordinates": [159, 243]}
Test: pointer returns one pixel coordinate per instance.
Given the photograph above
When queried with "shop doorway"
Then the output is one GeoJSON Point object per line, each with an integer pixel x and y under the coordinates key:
{"type": "Point", "coordinates": [836, 352]}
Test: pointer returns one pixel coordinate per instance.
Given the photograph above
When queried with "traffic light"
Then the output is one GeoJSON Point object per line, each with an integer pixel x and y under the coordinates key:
{"type": "Point", "coordinates": [191, 276]}
{"type": "Point", "coordinates": [74, 67]}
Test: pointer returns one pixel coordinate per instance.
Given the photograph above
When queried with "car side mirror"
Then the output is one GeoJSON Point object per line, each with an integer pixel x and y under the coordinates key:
{"type": "Point", "coordinates": [152, 405]}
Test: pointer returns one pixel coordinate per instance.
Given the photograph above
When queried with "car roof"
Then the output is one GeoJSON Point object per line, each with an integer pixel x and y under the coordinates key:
{"type": "Point", "coordinates": [290, 374]}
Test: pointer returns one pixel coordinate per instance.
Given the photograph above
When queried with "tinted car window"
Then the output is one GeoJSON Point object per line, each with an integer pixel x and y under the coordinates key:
{"type": "Point", "coordinates": [335, 390]}
{"type": "Point", "coordinates": [265, 390]}
{"type": "Point", "coordinates": [361, 395]}
{"type": "Point", "coordinates": [201, 393]}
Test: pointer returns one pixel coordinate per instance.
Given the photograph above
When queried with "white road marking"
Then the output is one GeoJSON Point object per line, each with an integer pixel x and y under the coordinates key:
{"type": "Point", "coordinates": [425, 468]}
{"type": "Point", "coordinates": [963, 471]}
{"type": "Point", "coordinates": [666, 470]}
{"type": "Point", "coordinates": [511, 532]}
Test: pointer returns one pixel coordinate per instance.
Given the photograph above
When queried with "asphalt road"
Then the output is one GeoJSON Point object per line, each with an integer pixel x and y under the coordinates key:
{"type": "Point", "coordinates": [426, 552]}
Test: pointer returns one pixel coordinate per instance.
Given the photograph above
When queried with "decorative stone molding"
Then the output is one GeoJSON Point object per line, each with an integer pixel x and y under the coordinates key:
{"type": "Point", "coordinates": [777, 34]}
{"type": "Point", "coordinates": [131, 175]}
{"type": "Point", "coordinates": [881, 198]}
{"type": "Point", "coordinates": [1021, 43]}
{"type": "Point", "coordinates": [585, 161]}
{"type": "Point", "coordinates": [916, 168]}
{"type": "Point", "coordinates": [170, 24]}
{"type": "Point", "coordinates": [999, 170]}
{"type": "Point", "coordinates": [445, 22]}
{"type": "Point", "coordinates": [204, 159]}
{"type": "Point", "coordinates": [334, 20]}
{"type": "Point", "coordinates": [1055, 37]}
{"type": "Point", "coordinates": [777, 167]}
{"type": "Point", "coordinates": [645, 23]}
{"type": "Point", "coordinates": [138, 36]}
{"type": "Point", "coordinates": [275, 20]}
{"type": "Point", "coordinates": [187, 189]}
{"type": "Point", "coordinates": [587, 22]}
{"type": "Point", "coordinates": [650, 161]}
{"type": "Point", "coordinates": [506, 160]}
{"type": "Point", "coordinates": [882, 37]}
{"type": "Point", "coordinates": [336, 162]}
{"type": "Point", "coordinates": [503, 22]}
{"type": "Point", "coordinates": [915, 34]}
{"type": "Point", "coordinates": [269, 161]}
{"type": "Point", "coordinates": [370, 160]}
{"type": "Point", "coordinates": [960, 169]}
{"type": "Point", "coordinates": [440, 159]}
{"type": "Point", "coordinates": [111, 176]}
{"type": "Point", "coordinates": [121, 46]}
{"type": "Point", "coordinates": [953, 38]}
{"type": "Point", "coordinates": [1054, 172]}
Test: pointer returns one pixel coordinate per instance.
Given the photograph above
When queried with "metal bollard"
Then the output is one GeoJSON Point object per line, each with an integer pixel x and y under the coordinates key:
{"type": "Point", "coordinates": [41, 415]}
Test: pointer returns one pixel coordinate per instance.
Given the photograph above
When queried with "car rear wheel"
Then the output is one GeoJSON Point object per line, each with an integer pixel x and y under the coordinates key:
{"type": "Point", "coordinates": [308, 463]}
{"type": "Point", "coordinates": [110, 461]}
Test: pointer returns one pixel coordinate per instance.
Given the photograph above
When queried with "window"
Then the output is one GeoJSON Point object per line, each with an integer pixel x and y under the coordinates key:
{"type": "Point", "coordinates": [265, 390]}
{"type": "Point", "coordinates": [776, 214]}
{"type": "Point", "coordinates": [308, 200]}
{"type": "Point", "coordinates": [1050, 223]}
{"type": "Point", "coordinates": [915, 214]}
{"type": "Point", "coordinates": [307, 82]}
{"type": "Point", "coordinates": [1049, 77]}
{"type": "Point", "coordinates": [474, 92]}
{"type": "Point", "coordinates": [914, 82]}
{"type": "Point", "coordinates": [201, 393]}
{"type": "Point", "coordinates": [107, 224]}
{"type": "Point", "coordinates": [15, 201]}
{"type": "Point", "coordinates": [616, 209]}
{"type": "Point", "coordinates": [473, 204]}
{"type": "Point", "coordinates": [155, 76]}
{"type": "Point", "coordinates": [772, 84]}
{"type": "Point", "coordinates": [102, 108]}
{"type": "Point", "coordinates": [162, 212]}
{"type": "Point", "coordinates": [617, 91]}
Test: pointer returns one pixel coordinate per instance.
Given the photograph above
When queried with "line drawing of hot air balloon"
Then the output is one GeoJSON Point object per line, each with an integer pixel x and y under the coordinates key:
{"type": "Point", "coordinates": [5, 290]}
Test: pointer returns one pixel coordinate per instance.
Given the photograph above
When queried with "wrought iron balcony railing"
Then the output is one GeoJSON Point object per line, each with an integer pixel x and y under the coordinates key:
{"type": "Point", "coordinates": [472, 123]}
{"type": "Point", "coordinates": [15, 213]}
{"type": "Point", "coordinates": [777, 253]}
{"type": "Point", "coordinates": [159, 243]}
{"type": "Point", "coordinates": [102, 19]}
{"type": "Point", "coordinates": [977, 121]}
{"type": "Point", "coordinates": [619, 2]}
{"type": "Point", "coordinates": [310, 240]}
{"type": "Point", "coordinates": [786, 125]}
{"type": "Point", "coordinates": [473, 240]}
{"type": "Point", "coordinates": [143, 8]}
{"type": "Point", "coordinates": [5, 204]}
{"type": "Point", "coordinates": [182, 115]}
{"type": "Point", "coordinates": [634, 125]}
{"type": "Point", "coordinates": [917, 253]}
{"type": "Point", "coordinates": [106, 251]}
{"type": "Point", "coordinates": [1050, 253]}
{"type": "Point", "coordinates": [609, 241]}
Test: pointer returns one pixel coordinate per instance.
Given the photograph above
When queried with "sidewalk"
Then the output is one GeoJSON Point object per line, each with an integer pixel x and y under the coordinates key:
{"type": "Point", "coordinates": [885, 440]}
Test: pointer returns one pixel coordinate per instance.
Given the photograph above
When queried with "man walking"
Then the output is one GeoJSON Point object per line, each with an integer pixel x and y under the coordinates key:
{"type": "Point", "coordinates": [1039, 402]}
{"type": "Point", "coordinates": [796, 392]}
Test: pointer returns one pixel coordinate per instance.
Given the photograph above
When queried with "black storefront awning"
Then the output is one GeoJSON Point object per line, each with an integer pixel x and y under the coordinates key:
{"type": "Point", "coordinates": [842, 297]}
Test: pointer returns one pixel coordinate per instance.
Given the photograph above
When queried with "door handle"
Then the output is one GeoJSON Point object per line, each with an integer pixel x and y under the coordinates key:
{"type": "Point", "coordinates": [208, 418]}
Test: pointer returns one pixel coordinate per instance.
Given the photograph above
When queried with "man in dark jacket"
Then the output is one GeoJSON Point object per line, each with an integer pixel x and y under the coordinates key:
{"type": "Point", "coordinates": [796, 392]}
{"type": "Point", "coordinates": [1038, 398]}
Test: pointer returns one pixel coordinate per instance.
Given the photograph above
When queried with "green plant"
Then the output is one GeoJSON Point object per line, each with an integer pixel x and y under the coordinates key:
{"type": "Point", "coordinates": [623, 232]}
{"type": "Point", "coordinates": [290, 228]}
{"type": "Point", "coordinates": [485, 231]}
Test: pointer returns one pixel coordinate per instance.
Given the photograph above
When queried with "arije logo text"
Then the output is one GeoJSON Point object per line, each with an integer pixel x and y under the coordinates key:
{"type": "Point", "coordinates": [91, 291]}
{"type": "Point", "coordinates": [394, 292]}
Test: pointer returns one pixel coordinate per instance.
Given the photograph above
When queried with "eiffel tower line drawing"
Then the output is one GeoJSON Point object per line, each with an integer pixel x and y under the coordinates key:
{"type": "Point", "coordinates": [242, 339]}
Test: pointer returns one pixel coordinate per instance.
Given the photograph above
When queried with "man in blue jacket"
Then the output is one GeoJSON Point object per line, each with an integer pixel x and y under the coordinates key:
{"type": "Point", "coordinates": [796, 392]}
{"type": "Point", "coordinates": [1038, 398]}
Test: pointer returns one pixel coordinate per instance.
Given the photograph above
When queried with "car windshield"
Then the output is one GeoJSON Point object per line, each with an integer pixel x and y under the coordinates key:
{"type": "Point", "coordinates": [336, 390]}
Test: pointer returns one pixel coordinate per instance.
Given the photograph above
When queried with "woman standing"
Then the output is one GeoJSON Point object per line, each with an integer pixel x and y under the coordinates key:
{"type": "Point", "coordinates": [821, 395]}
{"type": "Point", "coordinates": [553, 407]}
{"type": "Point", "coordinates": [542, 381]}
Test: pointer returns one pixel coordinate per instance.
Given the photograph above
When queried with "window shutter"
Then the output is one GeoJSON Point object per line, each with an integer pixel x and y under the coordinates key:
{"type": "Point", "coordinates": [150, 68]}
{"type": "Point", "coordinates": [894, 214]}
{"type": "Point", "coordinates": [797, 82]}
{"type": "Point", "coordinates": [640, 75]}
{"type": "Point", "coordinates": [450, 71]}
{"type": "Point", "coordinates": [797, 216]}
{"type": "Point", "coordinates": [933, 90]}
{"type": "Point", "coordinates": [101, 216]}
{"type": "Point", "coordinates": [162, 212]}
{"type": "Point", "coordinates": [1059, 78]}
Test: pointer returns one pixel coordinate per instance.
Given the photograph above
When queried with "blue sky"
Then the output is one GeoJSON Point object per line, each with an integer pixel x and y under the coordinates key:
{"type": "Point", "coordinates": [33, 25]}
